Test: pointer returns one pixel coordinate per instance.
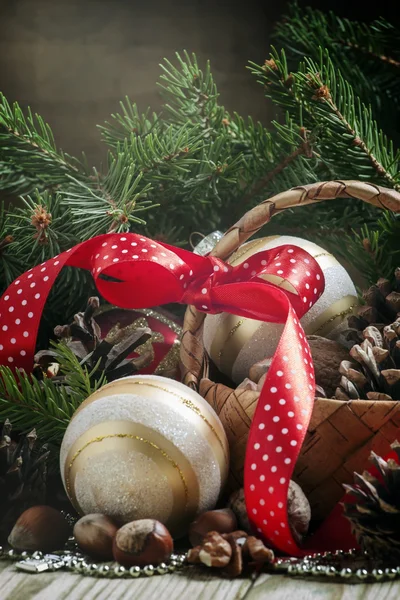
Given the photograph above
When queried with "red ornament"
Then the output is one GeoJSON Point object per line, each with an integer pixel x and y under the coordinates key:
{"type": "Point", "coordinates": [166, 330]}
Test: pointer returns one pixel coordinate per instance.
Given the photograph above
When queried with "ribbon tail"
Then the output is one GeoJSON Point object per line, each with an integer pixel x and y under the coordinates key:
{"type": "Point", "coordinates": [276, 435]}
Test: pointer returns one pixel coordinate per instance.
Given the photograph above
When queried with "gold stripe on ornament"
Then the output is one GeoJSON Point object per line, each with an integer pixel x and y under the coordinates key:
{"type": "Point", "coordinates": [189, 404]}
{"type": "Point", "coordinates": [182, 479]}
{"type": "Point", "coordinates": [324, 254]}
{"type": "Point", "coordinates": [227, 343]}
{"type": "Point", "coordinates": [248, 249]}
{"type": "Point", "coordinates": [321, 325]}
{"type": "Point", "coordinates": [231, 333]}
{"type": "Point", "coordinates": [123, 386]}
{"type": "Point", "coordinates": [100, 438]}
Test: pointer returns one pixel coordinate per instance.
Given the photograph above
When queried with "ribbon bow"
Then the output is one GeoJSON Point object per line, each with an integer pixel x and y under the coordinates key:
{"type": "Point", "coordinates": [147, 273]}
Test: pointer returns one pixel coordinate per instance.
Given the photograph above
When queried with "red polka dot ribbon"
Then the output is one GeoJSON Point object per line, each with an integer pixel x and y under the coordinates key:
{"type": "Point", "coordinates": [146, 273]}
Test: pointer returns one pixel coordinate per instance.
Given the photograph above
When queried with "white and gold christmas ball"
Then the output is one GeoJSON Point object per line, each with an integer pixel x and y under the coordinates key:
{"type": "Point", "coordinates": [236, 343]}
{"type": "Point", "coordinates": [145, 447]}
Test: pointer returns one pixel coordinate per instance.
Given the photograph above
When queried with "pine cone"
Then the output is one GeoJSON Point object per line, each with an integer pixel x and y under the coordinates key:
{"type": "Point", "coordinates": [375, 374]}
{"type": "Point", "coordinates": [373, 508]}
{"type": "Point", "coordinates": [23, 475]}
{"type": "Point", "coordinates": [381, 304]}
{"type": "Point", "coordinates": [83, 337]}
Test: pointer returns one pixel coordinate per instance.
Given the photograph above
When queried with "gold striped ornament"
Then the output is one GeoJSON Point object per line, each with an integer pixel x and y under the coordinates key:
{"type": "Point", "coordinates": [145, 447]}
{"type": "Point", "coordinates": [235, 343]}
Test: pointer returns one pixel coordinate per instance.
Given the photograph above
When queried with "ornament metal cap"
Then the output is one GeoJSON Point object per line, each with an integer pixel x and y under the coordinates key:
{"type": "Point", "coordinates": [207, 243]}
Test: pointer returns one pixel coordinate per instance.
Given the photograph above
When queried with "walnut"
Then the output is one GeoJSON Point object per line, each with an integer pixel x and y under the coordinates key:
{"type": "Point", "coordinates": [215, 550]}
{"type": "Point", "coordinates": [299, 511]}
{"type": "Point", "coordinates": [228, 551]}
{"type": "Point", "coordinates": [235, 565]}
{"type": "Point", "coordinates": [257, 551]}
{"type": "Point", "coordinates": [327, 356]}
{"type": "Point", "coordinates": [193, 555]}
{"type": "Point", "coordinates": [237, 504]}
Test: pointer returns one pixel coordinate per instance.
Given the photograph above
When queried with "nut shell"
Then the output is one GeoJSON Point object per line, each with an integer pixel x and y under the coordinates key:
{"type": "Point", "coordinates": [95, 534]}
{"type": "Point", "coordinates": [40, 528]}
{"type": "Point", "coordinates": [327, 356]}
{"type": "Point", "coordinates": [238, 505]}
{"type": "Point", "coordinates": [215, 551]}
{"type": "Point", "coordinates": [235, 565]}
{"type": "Point", "coordinates": [299, 511]}
{"type": "Point", "coordinates": [222, 521]}
{"type": "Point", "coordinates": [143, 542]}
{"type": "Point", "coordinates": [257, 551]}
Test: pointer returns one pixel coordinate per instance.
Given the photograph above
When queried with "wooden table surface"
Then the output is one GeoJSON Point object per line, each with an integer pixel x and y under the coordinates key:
{"type": "Point", "coordinates": [192, 585]}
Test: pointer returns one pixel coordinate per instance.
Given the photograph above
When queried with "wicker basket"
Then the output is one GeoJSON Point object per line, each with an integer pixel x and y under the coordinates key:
{"type": "Point", "coordinates": [341, 434]}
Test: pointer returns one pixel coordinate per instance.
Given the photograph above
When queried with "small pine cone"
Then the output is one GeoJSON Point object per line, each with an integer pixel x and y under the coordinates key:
{"type": "Point", "coordinates": [374, 371]}
{"type": "Point", "coordinates": [23, 476]}
{"type": "Point", "coordinates": [381, 304]}
{"type": "Point", "coordinates": [372, 506]}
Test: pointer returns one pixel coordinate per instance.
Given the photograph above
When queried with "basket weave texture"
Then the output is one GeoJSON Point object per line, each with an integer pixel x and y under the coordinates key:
{"type": "Point", "coordinates": [341, 434]}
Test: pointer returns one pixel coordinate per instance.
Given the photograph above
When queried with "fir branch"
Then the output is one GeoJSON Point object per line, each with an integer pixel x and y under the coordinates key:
{"type": "Point", "coordinates": [129, 123]}
{"type": "Point", "coordinates": [347, 138]}
{"type": "Point", "coordinates": [28, 149]}
{"type": "Point", "coordinates": [323, 94]}
{"type": "Point", "coordinates": [109, 203]}
{"type": "Point", "coordinates": [41, 227]}
{"type": "Point", "coordinates": [382, 57]}
{"type": "Point", "coordinates": [30, 403]}
{"type": "Point", "coordinates": [10, 265]}
{"type": "Point", "coordinates": [192, 94]}
{"type": "Point", "coordinates": [358, 49]}
{"type": "Point", "coordinates": [44, 405]}
{"type": "Point", "coordinates": [304, 148]}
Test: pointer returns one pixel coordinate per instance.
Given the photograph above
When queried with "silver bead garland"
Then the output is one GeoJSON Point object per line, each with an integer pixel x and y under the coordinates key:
{"type": "Point", "coordinates": [320, 565]}
{"type": "Point", "coordinates": [350, 567]}
{"type": "Point", "coordinates": [75, 562]}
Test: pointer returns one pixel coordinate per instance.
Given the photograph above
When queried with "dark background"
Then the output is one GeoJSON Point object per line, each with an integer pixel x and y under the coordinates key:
{"type": "Point", "coordinates": [73, 60]}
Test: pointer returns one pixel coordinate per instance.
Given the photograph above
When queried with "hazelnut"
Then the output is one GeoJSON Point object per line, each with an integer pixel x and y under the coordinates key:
{"type": "Point", "coordinates": [259, 369]}
{"type": "Point", "coordinates": [142, 543]}
{"type": "Point", "coordinates": [247, 384]}
{"type": "Point", "coordinates": [327, 356]}
{"type": "Point", "coordinates": [222, 521]}
{"type": "Point", "coordinates": [299, 511]}
{"type": "Point", "coordinates": [238, 505]}
{"type": "Point", "coordinates": [215, 551]}
{"type": "Point", "coordinates": [39, 528]}
{"type": "Point", "coordinates": [94, 534]}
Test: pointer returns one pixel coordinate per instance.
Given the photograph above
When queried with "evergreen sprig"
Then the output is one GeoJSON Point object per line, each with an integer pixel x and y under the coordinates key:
{"type": "Point", "coordinates": [347, 137]}
{"type": "Point", "coordinates": [28, 150]}
{"type": "Point", "coordinates": [368, 55]}
{"type": "Point", "coordinates": [45, 405]}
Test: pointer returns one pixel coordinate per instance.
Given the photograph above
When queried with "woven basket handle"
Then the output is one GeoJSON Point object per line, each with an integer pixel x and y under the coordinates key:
{"type": "Point", "coordinates": [193, 360]}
